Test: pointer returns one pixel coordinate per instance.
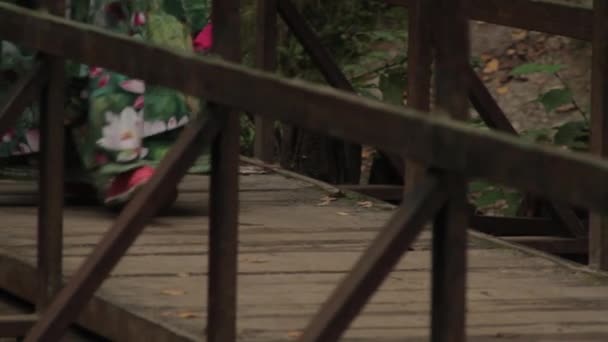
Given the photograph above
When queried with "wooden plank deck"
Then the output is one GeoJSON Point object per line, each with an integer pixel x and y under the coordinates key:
{"type": "Point", "coordinates": [292, 252]}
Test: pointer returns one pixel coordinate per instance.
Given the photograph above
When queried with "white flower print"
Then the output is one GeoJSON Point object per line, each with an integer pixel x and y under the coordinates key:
{"type": "Point", "coordinates": [124, 131]}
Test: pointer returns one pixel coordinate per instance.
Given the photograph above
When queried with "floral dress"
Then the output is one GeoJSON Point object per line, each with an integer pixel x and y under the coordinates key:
{"type": "Point", "coordinates": [115, 123]}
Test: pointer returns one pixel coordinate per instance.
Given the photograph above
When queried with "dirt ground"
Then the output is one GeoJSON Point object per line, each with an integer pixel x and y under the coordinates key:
{"type": "Point", "coordinates": [513, 47]}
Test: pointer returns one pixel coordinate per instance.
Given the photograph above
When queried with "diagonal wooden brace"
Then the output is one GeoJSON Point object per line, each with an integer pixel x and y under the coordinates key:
{"type": "Point", "coordinates": [27, 90]}
{"type": "Point", "coordinates": [66, 306]}
{"type": "Point", "coordinates": [347, 300]}
{"type": "Point", "coordinates": [495, 118]}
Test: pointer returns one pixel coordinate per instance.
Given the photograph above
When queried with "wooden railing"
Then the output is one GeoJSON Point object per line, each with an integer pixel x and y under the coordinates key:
{"type": "Point", "coordinates": [452, 151]}
{"type": "Point", "coordinates": [585, 22]}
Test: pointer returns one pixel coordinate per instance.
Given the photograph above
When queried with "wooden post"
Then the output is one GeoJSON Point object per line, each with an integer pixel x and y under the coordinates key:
{"type": "Point", "coordinates": [451, 38]}
{"type": "Point", "coordinates": [598, 224]}
{"type": "Point", "coordinates": [420, 59]}
{"type": "Point", "coordinates": [50, 214]}
{"type": "Point", "coordinates": [266, 59]}
{"type": "Point", "coordinates": [224, 206]}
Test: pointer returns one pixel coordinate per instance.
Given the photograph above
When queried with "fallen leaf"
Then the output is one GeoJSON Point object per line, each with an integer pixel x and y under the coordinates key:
{"type": "Point", "coordinates": [188, 315]}
{"type": "Point", "coordinates": [252, 170]}
{"type": "Point", "coordinates": [492, 66]}
{"type": "Point", "coordinates": [365, 204]}
{"type": "Point", "coordinates": [485, 57]}
{"type": "Point", "coordinates": [294, 334]}
{"type": "Point", "coordinates": [568, 107]}
{"type": "Point", "coordinates": [326, 200]}
{"type": "Point", "coordinates": [173, 292]}
{"type": "Point", "coordinates": [519, 35]}
{"type": "Point", "coordinates": [502, 90]}
{"type": "Point", "coordinates": [341, 213]}
{"type": "Point", "coordinates": [510, 52]}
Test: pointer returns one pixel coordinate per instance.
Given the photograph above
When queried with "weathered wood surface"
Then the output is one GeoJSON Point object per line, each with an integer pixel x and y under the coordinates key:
{"type": "Point", "coordinates": [562, 17]}
{"type": "Point", "coordinates": [292, 254]}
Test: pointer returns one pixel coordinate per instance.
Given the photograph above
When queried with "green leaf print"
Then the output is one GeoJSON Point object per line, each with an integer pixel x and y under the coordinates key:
{"type": "Point", "coordinates": [166, 30]}
{"type": "Point", "coordinates": [162, 104]}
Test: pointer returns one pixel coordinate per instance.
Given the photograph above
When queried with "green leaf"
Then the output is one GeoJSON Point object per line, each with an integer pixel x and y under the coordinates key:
{"type": "Point", "coordinates": [533, 68]}
{"type": "Point", "coordinates": [392, 85]}
{"type": "Point", "coordinates": [478, 186]}
{"type": "Point", "coordinates": [574, 135]}
{"type": "Point", "coordinates": [488, 198]}
{"type": "Point", "coordinates": [555, 98]}
{"type": "Point", "coordinates": [537, 135]}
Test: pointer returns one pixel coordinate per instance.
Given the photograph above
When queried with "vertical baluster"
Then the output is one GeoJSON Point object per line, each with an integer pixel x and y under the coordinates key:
{"type": "Point", "coordinates": [451, 37]}
{"type": "Point", "coordinates": [266, 59]}
{"type": "Point", "coordinates": [598, 224]}
{"type": "Point", "coordinates": [419, 63]}
{"type": "Point", "coordinates": [50, 215]}
{"type": "Point", "coordinates": [223, 220]}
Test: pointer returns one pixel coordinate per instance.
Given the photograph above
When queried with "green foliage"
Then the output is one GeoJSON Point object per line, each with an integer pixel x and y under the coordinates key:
{"type": "Point", "coordinates": [532, 68]}
{"type": "Point", "coordinates": [392, 84]}
{"type": "Point", "coordinates": [555, 98]}
{"type": "Point", "coordinates": [574, 135]}
{"type": "Point", "coordinates": [359, 35]}
{"type": "Point", "coordinates": [498, 200]}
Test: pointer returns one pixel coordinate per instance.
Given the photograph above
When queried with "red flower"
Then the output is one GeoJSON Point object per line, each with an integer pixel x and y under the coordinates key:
{"type": "Point", "coordinates": [204, 40]}
{"type": "Point", "coordinates": [95, 71]}
{"type": "Point", "coordinates": [103, 81]}
{"type": "Point", "coordinates": [139, 19]}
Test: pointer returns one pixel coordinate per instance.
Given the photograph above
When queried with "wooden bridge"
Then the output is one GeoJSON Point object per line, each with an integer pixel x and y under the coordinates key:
{"type": "Point", "coordinates": [150, 284]}
{"type": "Point", "coordinates": [297, 239]}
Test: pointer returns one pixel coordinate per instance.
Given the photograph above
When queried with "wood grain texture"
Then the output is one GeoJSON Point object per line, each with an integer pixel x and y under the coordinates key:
{"type": "Point", "coordinates": [293, 253]}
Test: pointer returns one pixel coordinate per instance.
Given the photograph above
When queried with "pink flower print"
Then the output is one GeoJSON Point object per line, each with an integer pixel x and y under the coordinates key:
{"type": "Point", "coordinates": [139, 19]}
{"type": "Point", "coordinates": [101, 159]}
{"type": "Point", "coordinates": [204, 40]}
{"type": "Point", "coordinates": [33, 139]}
{"type": "Point", "coordinates": [172, 123]}
{"type": "Point", "coordinates": [23, 149]}
{"type": "Point", "coordinates": [134, 86]}
{"type": "Point", "coordinates": [103, 81]}
{"type": "Point", "coordinates": [8, 135]}
{"type": "Point", "coordinates": [139, 102]}
{"type": "Point", "coordinates": [95, 71]}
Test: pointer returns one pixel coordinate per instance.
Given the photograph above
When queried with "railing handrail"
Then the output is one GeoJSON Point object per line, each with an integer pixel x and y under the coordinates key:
{"type": "Point", "coordinates": [430, 139]}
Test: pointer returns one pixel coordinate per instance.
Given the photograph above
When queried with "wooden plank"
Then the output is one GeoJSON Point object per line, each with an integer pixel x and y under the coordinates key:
{"type": "Point", "coordinates": [266, 59]}
{"type": "Point", "coordinates": [573, 22]}
{"type": "Point", "coordinates": [102, 315]}
{"type": "Point", "coordinates": [429, 140]}
{"type": "Point", "coordinates": [552, 244]}
{"type": "Point", "coordinates": [16, 325]}
{"type": "Point", "coordinates": [598, 224]}
{"type": "Point", "coordinates": [376, 263]}
{"type": "Point", "coordinates": [224, 190]}
{"type": "Point", "coordinates": [514, 226]}
{"type": "Point", "coordinates": [284, 277]}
